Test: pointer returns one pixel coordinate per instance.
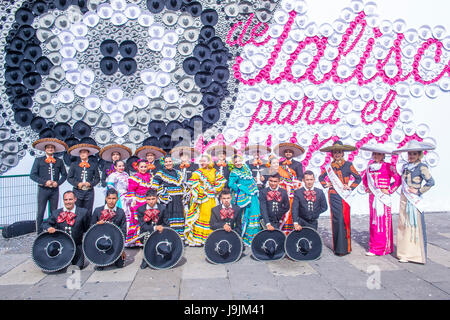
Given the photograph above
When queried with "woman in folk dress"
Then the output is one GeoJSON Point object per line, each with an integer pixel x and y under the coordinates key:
{"type": "Point", "coordinates": [382, 178]}
{"type": "Point", "coordinates": [411, 232]}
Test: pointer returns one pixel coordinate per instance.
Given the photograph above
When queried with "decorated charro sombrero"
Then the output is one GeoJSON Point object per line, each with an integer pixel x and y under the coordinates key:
{"type": "Point", "coordinates": [304, 245]}
{"type": "Point", "coordinates": [142, 152]}
{"type": "Point", "coordinates": [60, 146]}
{"type": "Point", "coordinates": [379, 148]}
{"type": "Point", "coordinates": [177, 152]}
{"type": "Point", "coordinates": [75, 150]}
{"type": "Point", "coordinates": [223, 247]}
{"type": "Point", "coordinates": [103, 244]}
{"type": "Point", "coordinates": [338, 146]}
{"type": "Point", "coordinates": [268, 245]}
{"type": "Point", "coordinates": [415, 145]}
{"type": "Point", "coordinates": [282, 147]}
{"type": "Point", "coordinates": [214, 150]}
{"type": "Point", "coordinates": [106, 152]}
{"type": "Point", "coordinates": [257, 148]}
{"type": "Point", "coordinates": [53, 251]}
{"type": "Point", "coordinates": [163, 250]}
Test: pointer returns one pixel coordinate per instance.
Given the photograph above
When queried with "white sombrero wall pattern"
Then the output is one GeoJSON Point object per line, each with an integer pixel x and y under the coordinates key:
{"type": "Point", "coordinates": [133, 71]}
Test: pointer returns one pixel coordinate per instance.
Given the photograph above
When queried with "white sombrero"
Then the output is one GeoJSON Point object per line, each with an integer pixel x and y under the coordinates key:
{"type": "Point", "coordinates": [60, 146]}
{"type": "Point", "coordinates": [379, 148]}
{"type": "Point", "coordinates": [282, 147]}
{"type": "Point", "coordinates": [415, 145]}
{"type": "Point", "coordinates": [141, 152]}
{"type": "Point", "coordinates": [75, 150]}
{"type": "Point", "coordinates": [257, 148]}
{"type": "Point", "coordinates": [106, 152]}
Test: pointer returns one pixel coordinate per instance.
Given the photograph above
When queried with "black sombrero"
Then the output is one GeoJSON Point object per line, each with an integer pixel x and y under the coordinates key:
{"type": "Point", "coordinates": [53, 251]}
{"type": "Point", "coordinates": [103, 244]}
{"type": "Point", "coordinates": [163, 250]}
{"type": "Point", "coordinates": [223, 247]}
{"type": "Point", "coordinates": [304, 245]}
{"type": "Point", "coordinates": [268, 245]}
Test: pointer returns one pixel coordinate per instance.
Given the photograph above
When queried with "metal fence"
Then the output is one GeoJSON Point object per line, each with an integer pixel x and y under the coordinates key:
{"type": "Point", "coordinates": [18, 199]}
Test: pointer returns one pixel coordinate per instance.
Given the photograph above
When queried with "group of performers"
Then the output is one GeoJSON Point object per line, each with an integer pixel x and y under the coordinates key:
{"type": "Point", "coordinates": [245, 196]}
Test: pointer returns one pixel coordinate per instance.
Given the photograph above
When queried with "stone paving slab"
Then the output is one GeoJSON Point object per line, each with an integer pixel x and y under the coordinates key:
{"type": "Point", "coordinates": [308, 287]}
{"type": "Point", "coordinates": [102, 291]}
{"type": "Point", "coordinates": [438, 255]}
{"type": "Point", "coordinates": [407, 285]}
{"type": "Point", "coordinates": [205, 289]}
{"type": "Point", "coordinates": [443, 285]}
{"type": "Point", "coordinates": [197, 267]}
{"type": "Point", "coordinates": [287, 267]}
{"type": "Point", "coordinates": [155, 284]}
{"type": "Point", "coordinates": [362, 262]}
{"type": "Point", "coordinates": [13, 292]}
{"type": "Point", "coordinates": [8, 261]}
{"type": "Point", "coordinates": [25, 273]}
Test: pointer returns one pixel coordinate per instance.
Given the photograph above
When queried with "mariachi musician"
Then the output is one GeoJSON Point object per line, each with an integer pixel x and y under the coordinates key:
{"type": "Point", "coordinates": [49, 172]}
{"type": "Point", "coordinates": [256, 165]}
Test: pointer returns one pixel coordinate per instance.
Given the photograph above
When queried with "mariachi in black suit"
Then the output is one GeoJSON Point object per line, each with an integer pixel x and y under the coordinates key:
{"type": "Point", "coordinates": [217, 222]}
{"type": "Point", "coordinates": [149, 226]}
{"type": "Point", "coordinates": [306, 213]}
{"type": "Point", "coordinates": [273, 211]}
{"type": "Point", "coordinates": [223, 170]}
{"type": "Point", "coordinates": [262, 171]}
{"type": "Point", "coordinates": [41, 172]}
{"type": "Point", "coordinates": [76, 231]}
{"type": "Point", "coordinates": [85, 198]}
{"type": "Point", "coordinates": [119, 219]}
{"type": "Point", "coordinates": [297, 167]}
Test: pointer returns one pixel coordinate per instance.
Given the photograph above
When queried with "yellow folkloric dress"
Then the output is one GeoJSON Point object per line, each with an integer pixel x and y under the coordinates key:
{"type": "Point", "coordinates": [206, 184]}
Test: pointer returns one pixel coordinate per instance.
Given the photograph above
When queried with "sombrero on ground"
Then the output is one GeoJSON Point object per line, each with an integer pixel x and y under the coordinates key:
{"type": "Point", "coordinates": [53, 251]}
{"type": "Point", "coordinates": [338, 146]}
{"type": "Point", "coordinates": [415, 145]}
{"type": "Point", "coordinates": [103, 244]}
{"type": "Point", "coordinates": [177, 152]}
{"type": "Point", "coordinates": [268, 245]}
{"type": "Point", "coordinates": [60, 146]}
{"type": "Point", "coordinates": [257, 148]}
{"type": "Point", "coordinates": [282, 147]}
{"type": "Point", "coordinates": [222, 247]}
{"type": "Point", "coordinates": [75, 150]}
{"type": "Point", "coordinates": [106, 152]}
{"type": "Point", "coordinates": [142, 152]}
{"type": "Point", "coordinates": [304, 245]}
{"type": "Point", "coordinates": [163, 250]}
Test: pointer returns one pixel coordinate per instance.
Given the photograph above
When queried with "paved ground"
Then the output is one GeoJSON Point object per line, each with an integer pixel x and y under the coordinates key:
{"type": "Point", "coordinates": [354, 276]}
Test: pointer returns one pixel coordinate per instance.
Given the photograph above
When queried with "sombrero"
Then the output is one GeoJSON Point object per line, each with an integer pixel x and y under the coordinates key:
{"type": "Point", "coordinates": [229, 150]}
{"type": "Point", "coordinates": [142, 152]}
{"type": "Point", "coordinates": [163, 250]}
{"type": "Point", "coordinates": [379, 148]}
{"type": "Point", "coordinates": [75, 150]}
{"type": "Point", "coordinates": [282, 147]}
{"type": "Point", "coordinates": [106, 152]}
{"type": "Point", "coordinates": [261, 149]}
{"type": "Point", "coordinates": [415, 145]}
{"type": "Point", "coordinates": [268, 245]}
{"type": "Point", "coordinates": [222, 247]}
{"type": "Point", "coordinates": [338, 146]}
{"type": "Point", "coordinates": [304, 245]}
{"type": "Point", "coordinates": [60, 146]}
{"type": "Point", "coordinates": [103, 244]}
{"type": "Point", "coordinates": [177, 152]}
{"type": "Point", "coordinates": [53, 251]}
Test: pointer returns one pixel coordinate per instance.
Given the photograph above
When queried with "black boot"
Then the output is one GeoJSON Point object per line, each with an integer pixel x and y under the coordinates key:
{"type": "Point", "coordinates": [144, 264]}
{"type": "Point", "coordinates": [120, 263]}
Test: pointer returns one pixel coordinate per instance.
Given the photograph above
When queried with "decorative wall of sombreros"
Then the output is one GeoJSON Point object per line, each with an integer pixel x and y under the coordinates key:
{"type": "Point", "coordinates": [131, 72]}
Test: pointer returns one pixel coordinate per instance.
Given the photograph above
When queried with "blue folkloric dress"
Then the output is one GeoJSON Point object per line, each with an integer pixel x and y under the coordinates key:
{"type": "Point", "coordinates": [245, 195]}
{"type": "Point", "coordinates": [411, 233]}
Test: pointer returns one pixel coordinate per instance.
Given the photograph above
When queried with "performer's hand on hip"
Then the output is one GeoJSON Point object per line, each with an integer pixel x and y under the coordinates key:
{"type": "Point", "coordinates": [328, 185]}
{"type": "Point", "coordinates": [412, 190]}
{"type": "Point", "coordinates": [51, 230]}
{"type": "Point", "coordinates": [385, 191]}
{"type": "Point", "coordinates": [159, 228]}
{"type": "Point", "coordinates": [227, 227]}
{"type": "Point", "coordinates": [270, 227]}
{"type": "Point", "coordinates": [100, 221]}
{"type": "Point", "coordinates": [297, 227]}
